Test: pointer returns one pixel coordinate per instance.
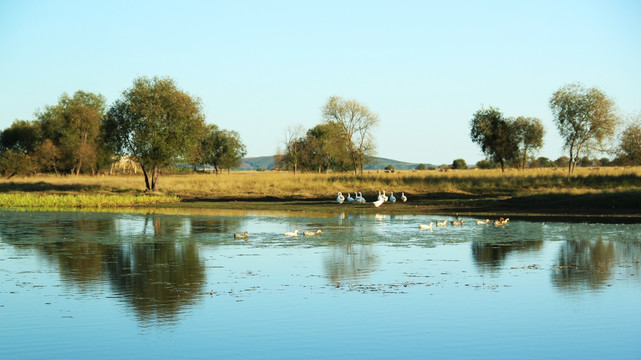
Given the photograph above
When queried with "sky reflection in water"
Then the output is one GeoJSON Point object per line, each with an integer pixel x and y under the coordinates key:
{"type": "Point", "coordinates": [104, 285]}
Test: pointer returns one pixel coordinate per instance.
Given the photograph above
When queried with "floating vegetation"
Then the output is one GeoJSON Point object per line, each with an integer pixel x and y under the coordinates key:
{"type": "Point", "coordinates": [94, 201]}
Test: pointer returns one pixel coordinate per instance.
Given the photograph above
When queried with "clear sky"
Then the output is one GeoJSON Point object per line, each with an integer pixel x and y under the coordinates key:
{"type": "Point", "coordinates": [259, 67]}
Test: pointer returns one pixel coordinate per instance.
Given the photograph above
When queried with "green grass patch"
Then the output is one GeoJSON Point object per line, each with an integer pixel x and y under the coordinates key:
{"type": "Point", "coordinates": [88, 201]}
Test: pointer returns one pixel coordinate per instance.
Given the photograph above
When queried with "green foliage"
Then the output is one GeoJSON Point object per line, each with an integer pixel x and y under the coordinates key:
{"type": "Point", "coordinates": [584, 117]}
{"type": "Point", "coordinates": [528, 133]}
{"type": "Point", "coordinates": [542, 162]}
{"type": "Point", "coordinates": [13, 162]}
{"type": "Point", "coordinates": [491, 131]}
{"type": "Point", "coordinates": [629, 149]}
{"type": "Point", "coordinates": [389, 168]}
{"type": "Point", "coordinates": [459, 164]}
{"type": "Point", "coordinates": [23, 136]}
{"type": "Point", "coordinates": [420, 167]}
{"type": "Point", "coordinates": [485, 164]}
{"type": "Point", "coordinates": [221, 148]}
{"type": "Point", "coordinates": [73, 126]}
{"type": "Point", "coordinates": [53, 201]}
{"type": "Point", "coordinates": [156, 123]}
{"type": "Point", "coordinates": [562, 161]}
{"type": "Point", "coordinates": [356, 123]}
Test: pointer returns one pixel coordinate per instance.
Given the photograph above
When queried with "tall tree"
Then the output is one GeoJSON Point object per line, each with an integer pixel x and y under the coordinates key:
{"type": "Point", "coordinates": [155, 123]}
{"type": "Point", "coordinates": [584, 117]}
{"type": "Point", "coordinates": [23, 136]}
{"type": "Point", "coordinates": [73, 126]}
{"type": "Point", "coordinates": [294, 142]}
{"type": "Point", "coordinates": [221, 148]}
{"type": "Point", "coordinates": [324, 148]}
{"type": "Point", "coordinates": [529, 133]}
{"type": "Point", "coordinates": [493, 133]}
{"type": "Point", "coordinates": [629, 149]}
{"type": "Point", "coordinates": [356, 123]}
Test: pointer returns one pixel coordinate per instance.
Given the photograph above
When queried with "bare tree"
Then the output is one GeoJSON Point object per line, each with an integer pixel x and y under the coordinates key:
{"type": "Point", "coordinates": [294, 138]}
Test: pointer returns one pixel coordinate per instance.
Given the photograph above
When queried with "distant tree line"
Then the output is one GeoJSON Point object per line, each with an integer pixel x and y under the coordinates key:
{"type": "Point", "coordinates": [154, 124]}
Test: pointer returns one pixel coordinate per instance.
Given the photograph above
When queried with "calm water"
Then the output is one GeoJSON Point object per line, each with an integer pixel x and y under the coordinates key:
{"type": "Point", "coordinates": [103, 285]}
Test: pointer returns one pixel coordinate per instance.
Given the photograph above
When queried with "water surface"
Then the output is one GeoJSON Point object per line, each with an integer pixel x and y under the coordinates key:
{"type": "Point", "coordinates": [111, 285]}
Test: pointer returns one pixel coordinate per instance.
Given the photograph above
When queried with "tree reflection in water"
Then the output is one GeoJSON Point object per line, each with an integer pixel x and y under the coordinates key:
{"type": "Point", "coordinates": [155, 274]}
{"type": "Point", "coordinates": [490, 252]}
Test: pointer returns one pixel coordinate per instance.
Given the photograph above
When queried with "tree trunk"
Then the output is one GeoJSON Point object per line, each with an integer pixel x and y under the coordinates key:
{"type": "Point", "coordinates": [144, 171]}
{"type": "Point", "coordinates": [154, 178]}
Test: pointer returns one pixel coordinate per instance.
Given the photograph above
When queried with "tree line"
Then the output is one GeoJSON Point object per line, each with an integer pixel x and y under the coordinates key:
{"type": "Point", "coordinates": [585, 118]}
{"type": "Point", "coordinates": [154, 122]}
{"type": "Point", "coordinates": [158, 125]}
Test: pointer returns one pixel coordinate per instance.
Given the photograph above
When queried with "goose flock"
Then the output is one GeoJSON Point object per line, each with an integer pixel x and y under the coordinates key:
{"type": "Point", "coordinates": [359, 199]}
{"type": "Point", "coordinates": [430, 226]}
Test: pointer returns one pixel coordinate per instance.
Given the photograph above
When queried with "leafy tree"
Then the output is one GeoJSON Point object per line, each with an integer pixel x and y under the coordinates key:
{"type": "Point", "coordinates": [584, 117]}
{"type": "Point", "coordinates": [562, 161]}
{"type": "Point", "coordinates": [73, 126]}
{"type": "Point", "coordinates": [15, 162]}
{"type": "Point", "coordinates": [324, 148]}
{"type": "Point", "coordinates": [47, 156]}
{"type": "Point", "coordinates": [421, 167]}
{"type": "Point", "coordinates": [356, 123]}
{"type": "Point", "coordinates": [529, 133]}
{"type": "Point", "coordinates": [491, 131]}
{"type": "Point", "coordinates": [221, 148]}
{"type": "Point", "coordinates": [629, 149]}
{"type": "Point", "coordinates": [459, 164]}
{"type": "Point", "coordinates": [155, 123]}
{"type": "Point", "coordinates": [485, 164]}
{"type": "Point", "coordinates": [23, 136]}
{"type": "Point", "coordinates": [390, 168]}
{"type": "Point", "coordinates": [543, 162]}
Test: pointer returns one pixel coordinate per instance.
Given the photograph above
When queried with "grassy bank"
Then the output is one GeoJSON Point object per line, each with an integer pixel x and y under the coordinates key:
{"type": "Point", "coordinates": [591, 190]}
{"type": "Point", "coordinates": [69, 201]}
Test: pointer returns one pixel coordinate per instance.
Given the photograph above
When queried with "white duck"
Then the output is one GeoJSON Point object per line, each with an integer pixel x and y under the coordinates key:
{"type": "Point", "coordinates": [392, 199]}
{"type": "Point", "coordinates": [350, 199]}
{"type": "Point", "coordinates": [426, 227]}
{"type": "Point", "coordinates": [403, 197]}
{"type": "Point", "coordinates": [361, 198]}
{"type": "Point", "coordinates": [292, 233]}
{"type": "Point", "coordinates": [340, 198]}
{"type": "Point", "coordinates": [379, 202]}
{"type": "Point", "coordinates": [385, 198]}
{"type": "Point", "coordinates": [312, 233]}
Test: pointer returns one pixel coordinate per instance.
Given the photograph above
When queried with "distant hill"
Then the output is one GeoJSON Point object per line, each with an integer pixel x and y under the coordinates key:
{"type": "Point", "coordinates": [267, 163]}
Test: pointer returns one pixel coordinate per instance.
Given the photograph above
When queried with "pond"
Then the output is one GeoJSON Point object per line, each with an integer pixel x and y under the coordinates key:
{"type": "Point", "coordinates": [77, 285]}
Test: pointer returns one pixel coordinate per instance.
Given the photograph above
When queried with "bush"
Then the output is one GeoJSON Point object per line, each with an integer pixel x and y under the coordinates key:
{"type": "Point", "coordinates": [459, 164]}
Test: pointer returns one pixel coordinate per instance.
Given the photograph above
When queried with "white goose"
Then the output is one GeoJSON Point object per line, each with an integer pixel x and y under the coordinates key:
{"type": "Point", "coordinates": [385, 198]}
{"type": "Point", "coordinates": [360, 194]}
{"type": "Point", "coordinates": [294, 233]}
{"type": "Point", "coordinates": [426, 227]}
{"type": "Point", "coordinates": [340, 198]}
{"type": "Point", "coordinates": [403, 197]}
{"type": "Point", "coordinates": [392, 199]}
{"type": "Point", "coordinates": [350, 199]}
{"type": "Point", "coordinates": [378, 202]}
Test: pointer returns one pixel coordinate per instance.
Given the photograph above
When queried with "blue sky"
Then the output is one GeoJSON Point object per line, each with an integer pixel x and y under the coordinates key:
{"type": "Point", "coordinates": [259, 67]}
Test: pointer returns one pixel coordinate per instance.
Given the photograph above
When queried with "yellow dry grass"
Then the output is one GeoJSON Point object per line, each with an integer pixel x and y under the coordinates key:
{"type": "Point", "coordinates": [253, 184]}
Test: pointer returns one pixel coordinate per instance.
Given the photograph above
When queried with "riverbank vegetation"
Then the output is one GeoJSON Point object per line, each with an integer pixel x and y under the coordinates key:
{"type": "Point", "coordinates": [533, 190]}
